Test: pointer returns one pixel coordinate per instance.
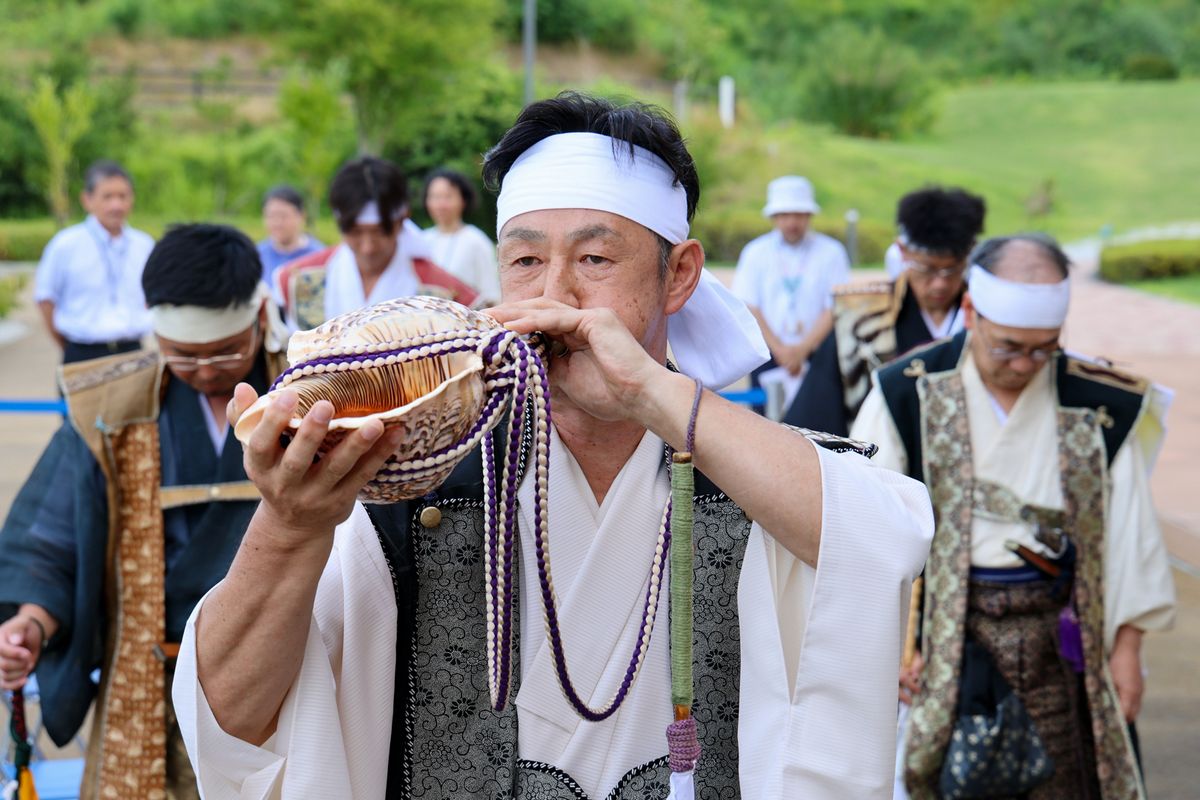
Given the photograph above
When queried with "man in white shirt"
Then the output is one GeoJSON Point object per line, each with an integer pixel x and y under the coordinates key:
{"type": "Point", "coordinates": [787, 276]}
{"type": "Point", "coordinates": [89, 281]}
{"type": "Point", "coordinates": [351, 663]}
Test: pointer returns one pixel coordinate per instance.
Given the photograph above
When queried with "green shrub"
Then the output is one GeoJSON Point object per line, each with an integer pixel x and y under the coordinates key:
{"type": "Point", "coordinates": [1148, 260]}
{"type": "Point", "coordinates": [1149, 67]}
{"type": "Point", "coordinates": [24, 240]}
{"type": "Point", "coordinates": [11, 287]}
{"type": "Point", "coordinates": [866, 85]}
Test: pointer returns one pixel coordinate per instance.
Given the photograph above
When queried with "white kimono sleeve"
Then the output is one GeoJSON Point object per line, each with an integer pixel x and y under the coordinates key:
{"type": "Point", "coordinates": [334, 728]}
{"type": "Point", "coordinates": [821, 647]}
{"type": "Point", "coordinates": [1138, 588]}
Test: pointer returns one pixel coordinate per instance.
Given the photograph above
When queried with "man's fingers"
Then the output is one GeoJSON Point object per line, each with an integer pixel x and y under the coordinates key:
{"type": "Point", "coordinates": [298, 457]}
{"type": "Point", "coordinates": [550, 321]}
{"type": "Point", "coordinates": [371, 458]}
{"type": "Point", "coordinates": [243, 397]}
{"type": "Point", "coordinates": [262, 450]}
{"type": "Point", "coordinates": [340, 461]}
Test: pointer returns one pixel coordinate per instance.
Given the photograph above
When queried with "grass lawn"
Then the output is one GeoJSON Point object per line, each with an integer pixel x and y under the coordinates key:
{"type": "Point", "coordinates": [1123, 154]}
{"type": "Point", "coordinates": [1184, 287]}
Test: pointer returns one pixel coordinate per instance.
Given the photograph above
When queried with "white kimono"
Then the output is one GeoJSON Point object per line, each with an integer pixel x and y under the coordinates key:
{"type": "Point", "coordinates": [343, 282]}
{"type": "Point", "coordinates": [1019, 450]}
{"type": "Point", "coordinates": [820, 648]}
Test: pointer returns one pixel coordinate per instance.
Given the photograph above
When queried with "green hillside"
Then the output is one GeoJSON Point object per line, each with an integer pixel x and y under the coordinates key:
{"type": "Point", "coordinates": [1121, 154]}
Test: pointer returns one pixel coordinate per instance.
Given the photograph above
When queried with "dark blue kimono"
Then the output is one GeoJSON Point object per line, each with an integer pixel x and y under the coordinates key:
{"type": "Point", "coordinates": [53, 546]}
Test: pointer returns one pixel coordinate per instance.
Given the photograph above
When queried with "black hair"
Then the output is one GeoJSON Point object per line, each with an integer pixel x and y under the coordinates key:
{"type": "Point", "coordinates": [571, 112]}
{"type": "Point", "coordinates": [942, 221]}
{"type": "Point", "coordinates": [286, 194]}
{"type": "Point", "coordinates": [459, 182]}
{"type": "Point", "coordinates": [363, 180]}
{"type": "Point", "coordinates": [211, 266]}
{"type": "Point", "coordinates": [989, 252]}
{"type": "Point", "coordinates": [102, 170]}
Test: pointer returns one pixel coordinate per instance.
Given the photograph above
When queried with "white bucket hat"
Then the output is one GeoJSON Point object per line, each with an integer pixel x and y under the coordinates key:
{"type": "Point", "coordinates": [790, 194]}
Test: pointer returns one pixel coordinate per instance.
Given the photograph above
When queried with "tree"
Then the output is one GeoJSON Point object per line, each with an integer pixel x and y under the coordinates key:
{"type": "Point", "coordinates": [321, 131]}
{"type": "Point", "coordinates": [60, 122]}
{"type": "Point", "coordinates": [399, 60]}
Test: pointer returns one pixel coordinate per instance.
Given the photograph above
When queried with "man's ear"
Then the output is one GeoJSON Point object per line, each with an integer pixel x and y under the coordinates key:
{"type": "Point", "coordinates": [968, 310]}
{"type": "Point", "coordinates": [684, 268]}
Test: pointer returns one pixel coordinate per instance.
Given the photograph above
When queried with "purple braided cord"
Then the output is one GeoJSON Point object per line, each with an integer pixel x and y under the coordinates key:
{"type": "Point", "coordinates": [551, 610]}
{"type": "Point", "coordinates": [683, 745]}
{"type": "Point", "coordinates": [523, 362]}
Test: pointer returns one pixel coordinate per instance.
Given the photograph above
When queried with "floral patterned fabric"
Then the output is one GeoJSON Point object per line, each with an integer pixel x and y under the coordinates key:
{"type": "Point", "coordinates": [457, 746]}
{"type": "Point", "coordinates": [949, 474]}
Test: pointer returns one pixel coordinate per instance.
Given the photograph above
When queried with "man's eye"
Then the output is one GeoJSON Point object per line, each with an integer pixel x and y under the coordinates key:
{"type": "Point", "coordinates": [526, 261]}
{"type": "Point", "coordinates": [594, 259]}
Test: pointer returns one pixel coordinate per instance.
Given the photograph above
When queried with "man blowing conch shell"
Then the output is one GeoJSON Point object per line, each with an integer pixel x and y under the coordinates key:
{"type": "Point", "coordinates": [344, 654]}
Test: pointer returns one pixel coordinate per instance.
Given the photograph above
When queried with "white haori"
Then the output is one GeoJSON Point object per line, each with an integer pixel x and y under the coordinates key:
{"type": "Point", "coordinates": [819, 652]}
{"type": "Point", "coordinates": [600, 555]}
{"type": "Point", "coordinates": [343, 282]}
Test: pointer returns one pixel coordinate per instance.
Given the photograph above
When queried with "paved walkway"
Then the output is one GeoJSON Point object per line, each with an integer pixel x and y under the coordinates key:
{"type": "Point", "coordinates": [1154, 336]}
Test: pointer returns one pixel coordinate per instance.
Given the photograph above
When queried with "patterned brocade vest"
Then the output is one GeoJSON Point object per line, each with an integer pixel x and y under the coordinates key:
{"type": "Point", "coordinates": [447, 742]}
{"type": "Point", "coordinates": [114, 404]}
{"type": "Point", "coordinates": [1097, 409]}
{"type": "Point", "coordinates": [864, 327]}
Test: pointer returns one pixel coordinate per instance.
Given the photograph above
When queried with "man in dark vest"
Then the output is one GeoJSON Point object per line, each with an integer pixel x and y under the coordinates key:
{"type": "Point", "coordinates": [135, 510]}
{"type": "Point", "coordinates": [347, 653]}
{"type": "Point", "coordinates": [1047, 563]}
{"type": "Point", "coordinates": [876, 322]}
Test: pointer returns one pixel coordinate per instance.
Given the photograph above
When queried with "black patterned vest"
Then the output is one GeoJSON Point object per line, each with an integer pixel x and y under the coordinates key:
{"type": "Point", "coordinates": [447, 742]}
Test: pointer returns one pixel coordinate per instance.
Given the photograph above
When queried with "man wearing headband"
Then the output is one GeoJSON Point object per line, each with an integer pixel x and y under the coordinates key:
{"type": "Point", "coordinates": [383, 694]}
{"type": "Point", "coordinates": [1048, 563]}
{"type": "Point", "coordinates": [786, 277]}
{"type": "Point", "coordinates": [383, 254]}
{"type": "Point", "coordinates": [875, 322]}
{"type": "Point", "coordinates": [135, 510]}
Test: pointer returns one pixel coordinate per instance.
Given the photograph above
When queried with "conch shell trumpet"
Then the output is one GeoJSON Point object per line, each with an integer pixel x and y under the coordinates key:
{"type": "Point", "coordinates": [414, 363]}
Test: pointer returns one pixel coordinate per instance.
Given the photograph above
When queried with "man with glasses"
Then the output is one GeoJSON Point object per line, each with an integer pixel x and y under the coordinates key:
{"type": "Point", "coordinates": [135, 510]}
{"type": "Point", "coordinates": [875, 322]}
{"type": "Point", "coordinates": [1047, 562]}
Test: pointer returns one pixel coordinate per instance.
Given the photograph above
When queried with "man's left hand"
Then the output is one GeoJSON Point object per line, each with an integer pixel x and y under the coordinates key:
{"type": "Point", "coordinates": [1125, 663]}
{"type": "Point", "coordinates": [605, 371]}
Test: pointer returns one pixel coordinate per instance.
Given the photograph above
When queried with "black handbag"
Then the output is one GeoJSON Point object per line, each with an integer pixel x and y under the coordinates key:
{"type": "Point", "coordinates": [995, 751]}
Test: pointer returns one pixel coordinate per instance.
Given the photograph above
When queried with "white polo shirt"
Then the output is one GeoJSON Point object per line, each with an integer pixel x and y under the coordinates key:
{"type": "Point", "coordinates": [791, 284]}
{"type": "Point", "coordinates": [94, 280]}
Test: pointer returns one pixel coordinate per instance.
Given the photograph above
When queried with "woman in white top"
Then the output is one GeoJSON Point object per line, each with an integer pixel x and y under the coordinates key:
{"type": "Point", "coordinates": [458, 247]}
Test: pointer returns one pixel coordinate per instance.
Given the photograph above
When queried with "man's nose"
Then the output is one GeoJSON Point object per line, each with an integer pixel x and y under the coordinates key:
{"type": "Point", "coordinates": [560, 283]}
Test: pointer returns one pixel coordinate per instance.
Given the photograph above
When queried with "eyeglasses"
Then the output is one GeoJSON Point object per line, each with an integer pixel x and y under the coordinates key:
{"type": "Point", "coordinates": [926, 272]}
{"type": "Point", "coordinates": [231, 361]}
{"type": "Point", "coordinates": [1038, 355]}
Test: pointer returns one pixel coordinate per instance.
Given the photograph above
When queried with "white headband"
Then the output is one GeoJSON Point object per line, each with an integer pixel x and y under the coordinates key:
{"type": "Point", "coordinates": [199, 325]}
{"type": "Point", "coordinates": [370, 214]}
{"type": "Point", "coordinates": [713, 337]}
{"type": "Point", "coordinates": [1016, 304]}
{"type": "Point", "coordinates": [590, 170]}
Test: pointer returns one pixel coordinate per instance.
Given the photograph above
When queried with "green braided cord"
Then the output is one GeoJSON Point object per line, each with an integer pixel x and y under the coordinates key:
{"type": "Point", "coordinates": [682, 490]}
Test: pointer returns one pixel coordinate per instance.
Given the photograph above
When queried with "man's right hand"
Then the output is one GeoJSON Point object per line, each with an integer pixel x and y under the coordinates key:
{"type": "Point", "coordinates": [20, 648]}
{"type": "Point", "coordinates": [910, 679]}
{"type": "Point", "coordinates": [303, 497]}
